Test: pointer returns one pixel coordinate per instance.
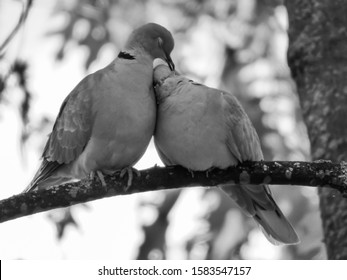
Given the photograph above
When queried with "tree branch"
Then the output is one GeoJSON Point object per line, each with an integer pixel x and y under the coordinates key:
{"type": "Point", "coordinates": [23, 16]}
{"type": "Point", "coordinates": [318, 173]}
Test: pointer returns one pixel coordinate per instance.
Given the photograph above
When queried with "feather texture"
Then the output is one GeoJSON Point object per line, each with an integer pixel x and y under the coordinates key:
{"type": "Point", "coordinates": [107, 121]}
{"type": "Point", "coordinates": [200, 128]}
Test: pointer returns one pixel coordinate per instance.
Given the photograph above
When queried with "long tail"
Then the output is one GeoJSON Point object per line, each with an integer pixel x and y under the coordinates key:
{"type": "Point", "coordinates": [46, 177]}
{"type": "Point", "coordinates": [46, 183]}
{"type": "Point", "coordinates": [256, 201]}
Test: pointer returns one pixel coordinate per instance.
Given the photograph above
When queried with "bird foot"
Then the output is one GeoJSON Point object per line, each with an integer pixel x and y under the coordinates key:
{"type": "Point", "coordinates": [100, 176]}
{"type": "Point", "coordinates": [130, 170]}
{"type": "Point", "coordinates": [191, 172]}
{"type": "Point", "coordinates": [208, 171]}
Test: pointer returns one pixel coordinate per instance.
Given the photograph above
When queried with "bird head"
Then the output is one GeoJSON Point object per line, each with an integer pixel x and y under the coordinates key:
{"type": "Point", "coordinates": [156, 40]}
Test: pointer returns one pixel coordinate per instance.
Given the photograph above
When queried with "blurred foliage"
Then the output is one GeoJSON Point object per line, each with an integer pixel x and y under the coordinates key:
{"type": "Point", "coordinates": [237, 45]}
{"type": "Point", "coordinates": [26, 5]}
{"type": "Point", "coordinates": [85, 25]}
{"type": "Point", "coordinates": [15, 78]}
{"type": "Point", "coordinates": [225, 220]}
{"type": "Point", "coordinates": [18, 71]}
{"type": "Point", "coordinates": [154, 244]}
{"type": "Point", "coordinates": [62, 218]}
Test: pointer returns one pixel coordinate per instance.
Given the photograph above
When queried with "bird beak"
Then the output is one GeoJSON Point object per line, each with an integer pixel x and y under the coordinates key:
{"type": "Point", "coordinates": [170, 62]}
{"type": "Point", "coordinates": [167, 56]}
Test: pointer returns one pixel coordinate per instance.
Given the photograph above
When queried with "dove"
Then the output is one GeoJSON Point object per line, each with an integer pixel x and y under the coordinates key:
{"type": "Point", "coordinates": [201, 128]}
{"type": "Point", "coordinates": [105, 124]}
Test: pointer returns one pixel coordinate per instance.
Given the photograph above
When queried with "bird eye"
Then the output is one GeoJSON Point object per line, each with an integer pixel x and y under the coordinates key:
{"type": "Point", "coordinates": [160, 42]}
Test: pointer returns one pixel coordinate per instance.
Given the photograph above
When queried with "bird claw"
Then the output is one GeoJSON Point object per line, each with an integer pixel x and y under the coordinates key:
{"type": "Point", "coordinates": [130, 171]}
{"type": "Point", "coordinates": [208, 171]}
{"type": "Point", "coordinates": [100, 176]}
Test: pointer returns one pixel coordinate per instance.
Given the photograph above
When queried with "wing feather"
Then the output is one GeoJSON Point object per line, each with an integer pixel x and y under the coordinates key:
{"type": "Point", "coordinates": [243, 142]}
{"type": "Point", "coordinates": [242, 139]}
{"type": "Point", "coordinates": [71, 130]}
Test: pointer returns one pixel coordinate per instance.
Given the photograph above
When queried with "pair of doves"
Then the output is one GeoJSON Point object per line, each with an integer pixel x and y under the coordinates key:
{"type": "Point", "coordinates": [105, 124]}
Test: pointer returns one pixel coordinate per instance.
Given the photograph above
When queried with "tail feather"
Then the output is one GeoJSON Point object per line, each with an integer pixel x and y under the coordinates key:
{"type": "Point", "coordinates": [46, 176]}
{"type": "Point", "coordinates": [276, 227]}
{"type": "Point", "coordinates": [46, 183]}
{"type": "Point", "coordinates": [256, 201]}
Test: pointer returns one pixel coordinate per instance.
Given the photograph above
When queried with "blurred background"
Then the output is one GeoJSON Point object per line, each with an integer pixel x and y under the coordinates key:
{"type": "Point", "coordinates": [236, 45]}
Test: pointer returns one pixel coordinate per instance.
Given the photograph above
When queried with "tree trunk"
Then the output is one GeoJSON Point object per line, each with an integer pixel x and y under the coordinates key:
{"type": "Point", "coordinates": [317, 57]}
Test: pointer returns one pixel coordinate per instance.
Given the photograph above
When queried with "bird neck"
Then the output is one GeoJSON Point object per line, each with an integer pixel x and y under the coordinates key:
{"type": "Point", "coordinates": [139, 54]}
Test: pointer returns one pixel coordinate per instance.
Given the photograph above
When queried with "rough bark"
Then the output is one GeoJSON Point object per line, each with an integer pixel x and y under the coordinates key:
{"type": "Point", "coordinates": [320, 173]}
{"type": "Point", "coordinates": [318, 60]}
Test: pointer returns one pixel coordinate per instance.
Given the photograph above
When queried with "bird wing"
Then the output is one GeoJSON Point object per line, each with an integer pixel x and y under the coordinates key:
{"type": "Point", "coordinates": [71, 130]}
{"type": "Point", "coordinates": [73, 126]}
{"type": "Point", "coordinates": [242, 139]}
{"type": "Point", "coordinates": [254, 200]}
{"type": "Point", "coordinates": [243, 143]}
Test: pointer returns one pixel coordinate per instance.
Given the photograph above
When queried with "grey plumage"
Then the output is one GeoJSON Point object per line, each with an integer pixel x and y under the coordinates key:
{"type": "Point", "coordinates": [106, 122]}
{"type": "Point", "coordinates": [199, 128]}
